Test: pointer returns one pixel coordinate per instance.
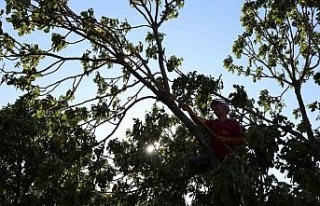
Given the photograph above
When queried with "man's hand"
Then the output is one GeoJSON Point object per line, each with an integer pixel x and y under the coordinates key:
{"type": "Point", "coordinates": [194, 117]}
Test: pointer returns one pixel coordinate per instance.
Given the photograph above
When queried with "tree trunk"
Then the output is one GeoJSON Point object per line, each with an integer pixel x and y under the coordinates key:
{"type": "Point", "coordinates": [305, 119]}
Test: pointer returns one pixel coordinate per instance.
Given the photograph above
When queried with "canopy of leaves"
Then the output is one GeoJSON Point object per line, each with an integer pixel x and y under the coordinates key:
{"type": "Point", "coordinates": [49, 160]}
{"type": "Point", "coordinates": [281, 43]}
{"type": "Point", "coordinates": [51, 155]}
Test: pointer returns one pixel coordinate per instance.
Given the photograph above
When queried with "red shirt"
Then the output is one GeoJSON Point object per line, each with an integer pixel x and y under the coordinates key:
{"type": "Point", "coordinates": [228, 128]}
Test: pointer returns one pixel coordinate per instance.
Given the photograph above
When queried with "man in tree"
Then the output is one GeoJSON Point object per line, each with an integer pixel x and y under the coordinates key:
{"type": "Point", "coordinates": [225, 133]}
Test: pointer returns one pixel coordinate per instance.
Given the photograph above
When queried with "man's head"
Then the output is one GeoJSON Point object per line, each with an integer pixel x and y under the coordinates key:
{"type": "Point", "coordinates": [219, 107]}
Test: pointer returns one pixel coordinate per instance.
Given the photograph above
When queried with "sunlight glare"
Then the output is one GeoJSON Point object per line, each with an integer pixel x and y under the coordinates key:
{"type": "Point", "coordinates": [150, 148]}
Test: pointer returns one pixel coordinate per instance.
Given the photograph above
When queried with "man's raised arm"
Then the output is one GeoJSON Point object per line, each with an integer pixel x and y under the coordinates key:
{"type": "Point", "coordinates": [194, 117]}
